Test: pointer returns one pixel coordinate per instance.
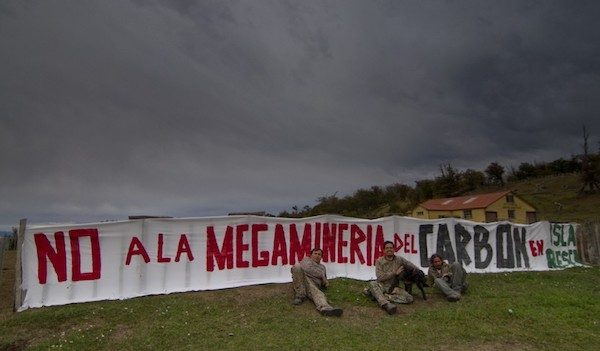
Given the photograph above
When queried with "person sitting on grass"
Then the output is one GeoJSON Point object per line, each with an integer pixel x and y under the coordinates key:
{"type": "Point", "coordinates": [451, 279]}
{"type": "Point", "coordinates": [309, 277]}
{"type": "Point", "coordinates": [388, 270]}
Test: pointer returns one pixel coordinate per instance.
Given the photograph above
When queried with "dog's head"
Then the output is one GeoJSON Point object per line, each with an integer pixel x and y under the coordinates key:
{"type": "Point", "coordinates": [415, 275]}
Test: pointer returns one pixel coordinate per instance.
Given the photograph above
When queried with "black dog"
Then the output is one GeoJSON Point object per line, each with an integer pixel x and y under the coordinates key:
{"type": "Point", "coordinates": [416, 276]}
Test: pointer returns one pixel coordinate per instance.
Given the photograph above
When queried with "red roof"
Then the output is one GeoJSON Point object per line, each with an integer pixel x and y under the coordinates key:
{"type": "Point", "coordinates": [463, 202]}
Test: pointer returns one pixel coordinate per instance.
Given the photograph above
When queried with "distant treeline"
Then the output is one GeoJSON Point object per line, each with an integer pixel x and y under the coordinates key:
{"type": "Point", "coordinates": [400, 198]}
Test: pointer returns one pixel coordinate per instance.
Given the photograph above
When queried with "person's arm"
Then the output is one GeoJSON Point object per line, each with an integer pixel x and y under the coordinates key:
{"type": "Point", "coordinates": [446, 271]}
{"type": "Point", "coordinates": [430, 276]}
{"type": "Point", "coordinates": [324, 281]}
{"type": "Point", "coordinates": [312, 269]}
{"type": "Point", "coordinates": [305, 265]}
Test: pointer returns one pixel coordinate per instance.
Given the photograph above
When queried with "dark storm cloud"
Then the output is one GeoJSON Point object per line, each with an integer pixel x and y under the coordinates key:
{"type": "Point", "coordinates": [188, 108]}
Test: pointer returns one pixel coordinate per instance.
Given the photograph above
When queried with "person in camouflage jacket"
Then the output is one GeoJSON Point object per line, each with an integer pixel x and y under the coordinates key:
{"type": "Point", "coordinates": [451, 279]}
{"type": "Point", "coordinates": [388, 270]}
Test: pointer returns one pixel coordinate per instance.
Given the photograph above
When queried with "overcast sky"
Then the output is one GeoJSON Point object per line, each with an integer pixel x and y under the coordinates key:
{"type": "Point", "coordinates": [200, 108]}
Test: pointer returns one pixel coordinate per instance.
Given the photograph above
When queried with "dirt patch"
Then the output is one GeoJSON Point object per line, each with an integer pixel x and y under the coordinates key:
{"type": "Point", "coordinates": [493, 346]}
{"type": "Point", "coordinates": [361, 313]}
{"type": "Point", "coordinates": [121, 332]}
{"type": "Point", "coordinates": [14, 346]}
{"type": "Point", "coordinates": [244, 295]}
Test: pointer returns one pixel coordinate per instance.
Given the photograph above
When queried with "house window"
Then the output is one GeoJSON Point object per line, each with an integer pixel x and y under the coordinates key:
{"type": "Point", "coordinates": [419, 213]}
{"type": "Point", "coordinates": [491, 216]}
{"type": "Point", "coordinates": [511, 214]}
{"type": "Point", "coordinates": [510, 198]}
{"type": "Point", "coordinates": [467, 214]}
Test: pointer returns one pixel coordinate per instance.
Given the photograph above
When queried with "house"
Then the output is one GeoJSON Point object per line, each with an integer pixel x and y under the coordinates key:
{"type": "Point", "coordinates": [489, 207]}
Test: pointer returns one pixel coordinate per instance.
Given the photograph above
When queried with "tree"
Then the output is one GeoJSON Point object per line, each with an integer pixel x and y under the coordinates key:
{"type": "Point", "coordinates": [472, 179]}
{"type": "Point", "coordinates": [590, 170]}
{"type": "Point", "coordinates": [327, 204]}
{"type": "Point", "coordinates": [448, 183]}
{"type": "Point", "coordinates": [369, 199]}
{"type": "Point", "coordinates": [495, 173]}
{"type": "Point", "coordinates": [424, 190]}
{"type": "Point", "coordinates": [396, 191]}
{"type": "Point", "coordinates": [562, 166]}
{"type": "Point", "coordinates": [526, 171]}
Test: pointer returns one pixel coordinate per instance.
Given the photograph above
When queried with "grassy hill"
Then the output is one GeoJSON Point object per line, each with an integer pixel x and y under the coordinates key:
{"type": "Point", "coordinates": [556, 198]}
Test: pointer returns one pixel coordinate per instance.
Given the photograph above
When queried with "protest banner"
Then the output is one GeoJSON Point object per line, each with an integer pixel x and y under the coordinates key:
{"type": "Point", "coordinates": [119, 260]}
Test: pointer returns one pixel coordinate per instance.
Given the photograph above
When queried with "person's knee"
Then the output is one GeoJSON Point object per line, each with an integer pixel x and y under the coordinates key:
{"type": "Point", "coordinates": [407, 297]}
{"type": "Point", "coordinates": [455, 266]}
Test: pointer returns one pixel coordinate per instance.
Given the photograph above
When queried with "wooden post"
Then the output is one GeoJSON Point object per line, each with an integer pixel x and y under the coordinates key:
{"type": "Point", "coordinates": [18, 267]}
{"type": "Point", "coordinates": [586, 242]}
{"type": "Point", "coordinates": [596, 235]}
{"type": "Point", "coordinates": [582, 247]}
{"type": "Point", "coordinates": [3, 245]}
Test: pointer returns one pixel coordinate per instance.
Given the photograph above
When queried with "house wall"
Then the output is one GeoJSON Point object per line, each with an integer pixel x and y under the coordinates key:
{"type": "Point", "coordinates": [478, 215]}
{"type": "Point", "coordinates": [420, 212]}
{"type": "Point", "coordinates": [501, 206]}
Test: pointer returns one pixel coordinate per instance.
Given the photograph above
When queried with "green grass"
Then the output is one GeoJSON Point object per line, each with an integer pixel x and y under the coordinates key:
{"type": "Point", "coordinates": [518, 311]}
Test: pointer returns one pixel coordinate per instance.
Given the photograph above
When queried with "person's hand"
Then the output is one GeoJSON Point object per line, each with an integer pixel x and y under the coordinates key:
{"type": "Point", "coordinates": [400, 270]}
{"type": "Point", "coordinates": [325, 283]}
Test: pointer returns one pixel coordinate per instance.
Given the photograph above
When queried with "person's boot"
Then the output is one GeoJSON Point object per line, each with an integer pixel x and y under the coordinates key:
{"type": "Point", "coordinates": [390, 308]}
{"type": "Point", "coordinates": [453, 297]}
{"type": "Point", "coordinates": [332, 312]}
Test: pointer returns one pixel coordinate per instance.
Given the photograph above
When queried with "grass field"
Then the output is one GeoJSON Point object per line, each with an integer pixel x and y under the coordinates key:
{"type": "Point", "coordinates": [516, 311]}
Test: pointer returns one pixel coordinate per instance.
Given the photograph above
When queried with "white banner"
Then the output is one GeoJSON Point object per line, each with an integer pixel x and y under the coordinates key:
{"type": "Point", "coordinates": [119, 260]}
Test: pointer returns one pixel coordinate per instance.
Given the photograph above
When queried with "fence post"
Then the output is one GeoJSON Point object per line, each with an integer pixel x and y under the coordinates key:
{"type": "Point", "coordinates": [588, 242]}
{"type": "Point", "coordinates": [587, 234]}
{"type": "Point", "coordinates": [595, 234]}
{"type": "Point", "coordinates": [580, 235]}
{"type": "Point", "coordinates": [3, 245]}
{"type": "Point", "coordinates": [18, 266]}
